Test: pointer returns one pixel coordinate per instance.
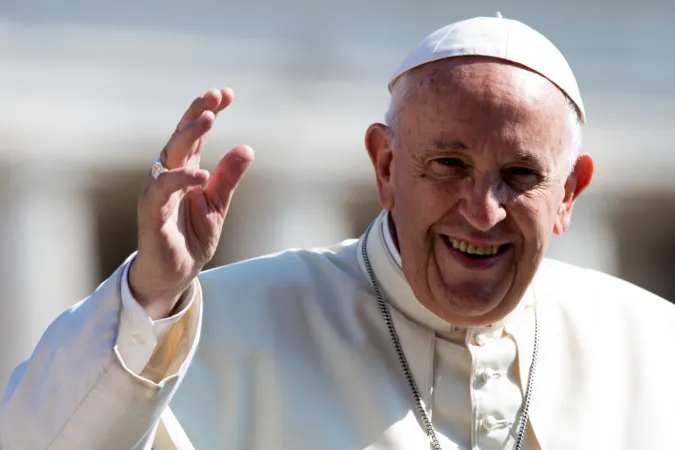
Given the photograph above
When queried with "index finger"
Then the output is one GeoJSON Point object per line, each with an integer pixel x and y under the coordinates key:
{"type": "Point", "coordinates": [213, 100]}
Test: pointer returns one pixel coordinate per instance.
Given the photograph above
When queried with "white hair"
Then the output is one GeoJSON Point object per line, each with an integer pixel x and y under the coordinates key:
{"type": "Point", "coordinates": [576, 138]}
{"type": "Point", "coordinates": [401, 93]}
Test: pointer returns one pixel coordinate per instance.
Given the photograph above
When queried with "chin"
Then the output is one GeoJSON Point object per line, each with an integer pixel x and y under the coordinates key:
{"type": "Point", "coordinates": [472, 303]}
{"type": "Point", "coordinates": [469, 302]}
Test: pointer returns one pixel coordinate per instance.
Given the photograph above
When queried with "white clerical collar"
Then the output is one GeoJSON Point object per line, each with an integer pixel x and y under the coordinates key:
{"type": "Point", "coordinates": [385, 260]}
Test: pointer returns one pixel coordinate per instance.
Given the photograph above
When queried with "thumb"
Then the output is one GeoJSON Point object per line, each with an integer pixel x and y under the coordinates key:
{"type": "Point", "coordinates": [226, 177]}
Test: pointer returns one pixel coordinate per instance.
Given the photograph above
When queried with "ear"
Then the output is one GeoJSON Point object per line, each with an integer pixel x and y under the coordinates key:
{"type": "Point", "coordinates": [379, 150]}
{"type": "Point", "coordinates": [576, 183]}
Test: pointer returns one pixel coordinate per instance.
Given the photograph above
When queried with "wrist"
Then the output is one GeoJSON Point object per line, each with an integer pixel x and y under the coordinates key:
{"type": "Point", "coordinates": [159, 302]}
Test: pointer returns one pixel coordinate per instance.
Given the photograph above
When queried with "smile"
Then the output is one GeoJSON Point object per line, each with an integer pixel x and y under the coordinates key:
{"type": "Point", "coordinates": [471, 249]}
{"type": "Point", "coordinates": [468, 252]}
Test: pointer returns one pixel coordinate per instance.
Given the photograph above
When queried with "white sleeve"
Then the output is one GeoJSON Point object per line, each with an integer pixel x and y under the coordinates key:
{"type": "Point", "coordinates": [76, 392]}
{"type": "Point", "coordinates": [138, 333]}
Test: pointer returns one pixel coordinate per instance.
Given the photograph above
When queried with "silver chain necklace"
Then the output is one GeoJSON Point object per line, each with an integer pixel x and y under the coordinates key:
{"type": "Point", "coordinates": [384, 308]}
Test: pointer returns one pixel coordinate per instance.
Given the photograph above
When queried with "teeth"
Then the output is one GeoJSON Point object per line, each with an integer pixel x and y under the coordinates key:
{"type": "Point", "coordinates": [465, 247]}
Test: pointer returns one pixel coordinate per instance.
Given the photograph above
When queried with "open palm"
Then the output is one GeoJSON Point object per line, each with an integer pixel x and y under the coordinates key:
{"type": "Point", "coordinates": [179, 221]}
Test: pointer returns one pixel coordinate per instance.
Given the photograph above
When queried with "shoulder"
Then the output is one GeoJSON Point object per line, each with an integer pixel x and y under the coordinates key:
{"type": "Point", "coordinates": [277, 301]}
{"type": "Point", "coordinates": [591, 292]}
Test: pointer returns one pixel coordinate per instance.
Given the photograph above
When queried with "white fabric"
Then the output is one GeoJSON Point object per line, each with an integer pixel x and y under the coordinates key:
{"type": "Point", "coordinates": [170, 435]}
{"type": "Point", "coordinates": [138, 333]}
{"type": "Point", "coordinates": [75, 392]}
{"type": "Point", "coordinates": [501, 38]}
{"type": "Point", "coordinates": [293, 354]}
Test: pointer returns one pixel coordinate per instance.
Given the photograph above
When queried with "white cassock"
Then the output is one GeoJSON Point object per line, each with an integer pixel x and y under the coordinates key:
{"type": "Point", "coordinates": [294, 354]}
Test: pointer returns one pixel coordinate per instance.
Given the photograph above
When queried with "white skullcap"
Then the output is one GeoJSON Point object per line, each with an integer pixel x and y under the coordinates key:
{"type": "Point", "coordinates": [501, 38]}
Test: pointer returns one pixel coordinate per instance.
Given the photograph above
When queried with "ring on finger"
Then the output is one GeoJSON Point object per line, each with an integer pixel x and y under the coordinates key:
{"type": "Point", "coordinates": [158, 168]}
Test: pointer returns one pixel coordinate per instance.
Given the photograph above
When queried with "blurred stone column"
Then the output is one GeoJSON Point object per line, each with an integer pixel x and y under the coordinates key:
{"type": "Point", "coordinates": [47, 257]}
{"type": "Point", "coordinates": [271, 215]}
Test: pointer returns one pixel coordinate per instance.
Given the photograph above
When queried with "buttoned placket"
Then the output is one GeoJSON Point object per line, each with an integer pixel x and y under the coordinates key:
{"type": "Point", "coordinates": [495, 398]}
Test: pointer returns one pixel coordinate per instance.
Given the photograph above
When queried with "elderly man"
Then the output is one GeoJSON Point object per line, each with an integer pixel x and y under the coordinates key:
{"type": "Point", "coordinates": [442, 327]}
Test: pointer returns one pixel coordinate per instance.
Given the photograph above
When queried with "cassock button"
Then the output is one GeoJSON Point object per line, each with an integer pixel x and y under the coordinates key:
{"type": "Point", "coordinates": [481, 340]}
{"type": "Point", "coordinates": [489, 374]}
{"type": "Point", "coordinates": [491, 423]}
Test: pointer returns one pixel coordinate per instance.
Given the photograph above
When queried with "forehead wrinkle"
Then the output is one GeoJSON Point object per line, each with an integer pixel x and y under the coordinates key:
{"type": "Point", "coordinates": [444, 146]}
{"type": "Point", "coordinates": [482, 79]}
{"type": "Point", "coordinates": [521, 95]}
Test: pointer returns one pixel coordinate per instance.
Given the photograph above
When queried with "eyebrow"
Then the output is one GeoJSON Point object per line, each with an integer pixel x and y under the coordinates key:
{"type": "Point", "coordinates": [444, 146]}
{"type": "Point", "coordinates": [456, 146]}
{"type": "Point", "coordinates": [531, 159]}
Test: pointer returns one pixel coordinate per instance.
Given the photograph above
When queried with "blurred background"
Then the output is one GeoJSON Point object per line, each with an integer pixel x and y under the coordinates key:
{"type": "Point", "coordinates": [90, 91]}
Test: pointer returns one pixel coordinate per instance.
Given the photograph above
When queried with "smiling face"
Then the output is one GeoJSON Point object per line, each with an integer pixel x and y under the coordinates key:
{"type": "Point", "coordinates": [474, 170]}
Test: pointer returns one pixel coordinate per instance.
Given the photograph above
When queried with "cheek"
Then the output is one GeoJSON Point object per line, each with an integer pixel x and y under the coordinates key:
{"type": "Point", "coordinates": [419, 205]}
{"type": "Point", "coordinates": [535, 216]}
{"type": "Point", "coordinates": [425, 202]}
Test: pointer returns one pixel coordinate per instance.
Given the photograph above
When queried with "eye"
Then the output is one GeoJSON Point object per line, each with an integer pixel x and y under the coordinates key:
{"type": "Point", "coordinates": [446, 168]}
{"type": "Point", "coordinates": [521, 171]}
{"type": "Point", "coordinates": [450, 162]}
{"type": "Point", "coordinates": [522, 177]}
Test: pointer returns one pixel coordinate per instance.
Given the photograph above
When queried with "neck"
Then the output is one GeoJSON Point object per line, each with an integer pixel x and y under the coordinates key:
{"type": "Point", "coordinates": [392, 231]}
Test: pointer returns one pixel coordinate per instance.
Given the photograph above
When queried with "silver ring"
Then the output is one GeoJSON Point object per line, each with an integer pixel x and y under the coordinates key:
{"type": "Point", "coordinates": [158, 168]}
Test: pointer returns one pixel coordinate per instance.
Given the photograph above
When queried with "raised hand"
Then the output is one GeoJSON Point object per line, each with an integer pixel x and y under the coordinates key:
{"type": "Point", "coordinates": [179, 221]}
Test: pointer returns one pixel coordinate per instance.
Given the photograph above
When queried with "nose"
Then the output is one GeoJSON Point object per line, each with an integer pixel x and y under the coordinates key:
{"type": "Point", "coordinates": [481, 205]}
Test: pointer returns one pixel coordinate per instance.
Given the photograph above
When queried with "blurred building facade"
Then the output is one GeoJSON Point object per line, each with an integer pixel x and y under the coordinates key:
{"type": "Point", "coordinates": [89, 96]}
